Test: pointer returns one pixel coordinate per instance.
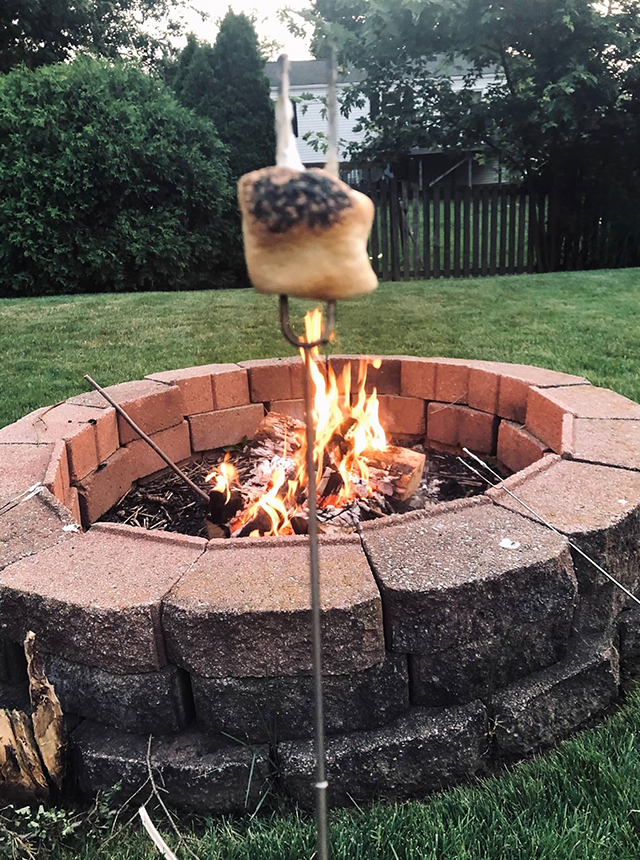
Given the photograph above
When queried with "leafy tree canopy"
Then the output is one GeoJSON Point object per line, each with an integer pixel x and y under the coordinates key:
{"type": "Point", "coordinates": [107, 183]}
{"type": "Point", "coordinates": [565, 100]}
{"type": "Point", "coordinates": [41, 32]}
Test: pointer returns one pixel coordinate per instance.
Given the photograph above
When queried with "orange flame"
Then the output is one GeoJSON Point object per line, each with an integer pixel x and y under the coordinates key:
{"type": "Point", "coordinates": [225, 474]}
{"type": "Point", "coordinates": [347, 425]}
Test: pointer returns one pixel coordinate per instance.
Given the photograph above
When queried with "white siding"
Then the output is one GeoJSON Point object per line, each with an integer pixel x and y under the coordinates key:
{"type": "Point", "coordinates": [312, 120]}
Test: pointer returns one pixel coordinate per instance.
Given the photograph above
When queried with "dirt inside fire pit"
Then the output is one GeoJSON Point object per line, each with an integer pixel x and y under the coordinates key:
{"type": "Point", "coordinates": [166, 503]}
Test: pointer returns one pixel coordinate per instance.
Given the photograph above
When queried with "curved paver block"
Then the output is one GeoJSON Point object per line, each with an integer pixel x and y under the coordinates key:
{"type": "Point", "coordinates": [598, 508]}
{"type": "Point", "coordinates": [33, 526]}
{"type": "Point", "coordinates": [157, 703]}
{"type": "Point", "coordinates": [550, 412]}
{"type": "Point", "coordinates": [545, 708]}
{"type": "Point", "coordinates": [96, 597]}
{"type": "Point", "coordinates": [423, 751]}
{"type": "Point", "coordinates": [194, 771]}
{"type": "Point", "coordinates": [22, 466]}
{"type": "Point", "coordinates": [263, 709]}
{"type": "Point", "coordinates": [609, 442]}
{"type": "Point", "coordinates": [245, 610]}
{"type": "Point", "coordinates": [484, 598]}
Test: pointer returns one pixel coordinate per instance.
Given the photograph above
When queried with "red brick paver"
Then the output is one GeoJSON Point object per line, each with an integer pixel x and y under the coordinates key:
{"type": "Point", "coordinates": [459, 426]}
{"type": "Point", "coordinates": [174, 442]}
{"type": "Point", "coordinates": [274, 378]}
{"type": "Point", "coordinates": [103, 488]}
{"type": "Point", "coordinates": [418, 377]}
{"type": "Point", "coordinates": [385, 379]}
{"type": "Point", "coordinates": [294, 408]}
{"type": "Point", "coordinates": [154, 406]}
{"type": "Point", "coordinates": [611, 442]}
{"type": "Point", "coordinates": [225, 427]}
{"type": "Point", "coordinates": [517, 448]}
{"type": "Point", "coordinates": [547, 411]}
{"type": "Point", "coordinates": [96, 598]}
{"type": "Point", "coordinates": [402, 416]}
{"type": "Point", "coordinates": [244, 610]}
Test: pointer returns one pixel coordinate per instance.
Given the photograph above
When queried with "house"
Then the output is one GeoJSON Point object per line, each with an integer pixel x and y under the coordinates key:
{"type": "Point", "coordinates": [309, 77]}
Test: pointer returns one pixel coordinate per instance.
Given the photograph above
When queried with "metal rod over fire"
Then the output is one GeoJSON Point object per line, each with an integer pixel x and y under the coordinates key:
{"type": "Point", "coordinates": [307, 347]}
{"type": "Point", "coordinates": [321, 784]}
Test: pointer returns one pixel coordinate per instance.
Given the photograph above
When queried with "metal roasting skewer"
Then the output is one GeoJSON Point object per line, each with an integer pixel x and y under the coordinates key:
{"type": "Point", "coordinates": [540, 518]}
{"type": "Point", "coordinates": [321, 784]}
{"type": "Point", "coordinates": [288, 155]}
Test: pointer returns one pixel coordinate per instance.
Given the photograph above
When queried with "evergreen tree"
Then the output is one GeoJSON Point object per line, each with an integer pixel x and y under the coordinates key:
{"type": "Point", "coordinates": [226, 84]}
{"type": "Point", "coordinates": [242, 107]}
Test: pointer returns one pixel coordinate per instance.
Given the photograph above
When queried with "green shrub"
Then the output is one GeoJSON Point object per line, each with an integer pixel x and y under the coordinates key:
{"type": "Point", "coordinates": [107, 183]}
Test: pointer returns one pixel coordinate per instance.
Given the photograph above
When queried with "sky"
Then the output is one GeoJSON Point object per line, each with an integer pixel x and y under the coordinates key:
{"type": "Point", "coordinates": [267, 23]}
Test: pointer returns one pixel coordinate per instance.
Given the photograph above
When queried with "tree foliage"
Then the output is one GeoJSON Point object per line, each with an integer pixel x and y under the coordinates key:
{"type": "Point", "coordinates": [563, 112]}
{"type": "Point", "coordinates": [107, 183]}
{"type": "Point", "coordinates": [226, 83]}
{"type": "Point", "coordinates": [567, 74]}
{"type": "Point", "coordinates": [40, 32]}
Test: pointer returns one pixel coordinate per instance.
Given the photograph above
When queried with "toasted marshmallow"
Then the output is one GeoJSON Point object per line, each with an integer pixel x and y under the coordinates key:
{"type": "Point", "coordinates": [305, 234]}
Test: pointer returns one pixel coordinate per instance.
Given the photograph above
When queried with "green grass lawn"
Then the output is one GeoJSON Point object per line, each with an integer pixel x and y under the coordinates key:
{"type": "Point", "coordinates": [581, 801]}
{"type": "Point", "coordinates": [581, 322]}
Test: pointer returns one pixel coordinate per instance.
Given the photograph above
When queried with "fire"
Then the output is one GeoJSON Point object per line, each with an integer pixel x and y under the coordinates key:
{"type": "Point", "coordinates": [225, 475]}
{"type": "Point", "coordinates": [347, 426]}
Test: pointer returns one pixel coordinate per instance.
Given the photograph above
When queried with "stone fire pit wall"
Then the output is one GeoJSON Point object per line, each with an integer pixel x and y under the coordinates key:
{"type": "Point", "coordinates": [455, 638]}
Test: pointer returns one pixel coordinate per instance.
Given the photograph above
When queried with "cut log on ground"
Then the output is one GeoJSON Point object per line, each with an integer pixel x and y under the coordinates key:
{"type": "Point", "coordinates": [46, 715]}
{"type": "Point", "coordinates": [32, 747]}
{"type": "Point", "coordinates": [22, 776]}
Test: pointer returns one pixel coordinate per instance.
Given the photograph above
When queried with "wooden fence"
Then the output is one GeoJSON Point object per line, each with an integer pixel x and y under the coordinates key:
{"type": "Point", "coordinates": [488, 230]}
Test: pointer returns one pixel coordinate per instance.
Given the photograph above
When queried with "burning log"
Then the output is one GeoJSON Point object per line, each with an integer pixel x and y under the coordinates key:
{"type": "Point", "coordinates": [223, 506]}
{"type": "Point", "coordinates": [395, 471]}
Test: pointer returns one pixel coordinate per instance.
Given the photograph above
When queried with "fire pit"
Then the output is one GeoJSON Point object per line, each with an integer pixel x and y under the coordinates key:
{"type": "Point", "coordinates": [455, 637]}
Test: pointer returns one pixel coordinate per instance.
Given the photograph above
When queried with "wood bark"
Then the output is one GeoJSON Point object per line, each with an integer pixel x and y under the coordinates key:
{"type": "Point", "coordinates": [395, 471]}
{"type": "Point", "coordinates": [46, 715]}
{"type": "Point", "coordinates": [32, 747]}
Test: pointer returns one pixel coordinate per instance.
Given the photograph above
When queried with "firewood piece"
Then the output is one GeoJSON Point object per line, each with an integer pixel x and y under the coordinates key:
{"type": "Point", "coordinates": [260, 523]}
{"type": "Point", "coordinates": [300, 524]}
{"type": "Point", "coordinates": [395, 471]}
{"type": "Point", "coordinates": [331, 483]}
{"type": "Point", "coordinates": [21, 775]}
{"type": "Point", "coordinates": [276, 431]}
{"type": "Point", "coordinates": [215, 531]}
{"type": "Point", "coordinates": [221, 510]}
{"type": "Point", "coordinates": [46, 716]}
